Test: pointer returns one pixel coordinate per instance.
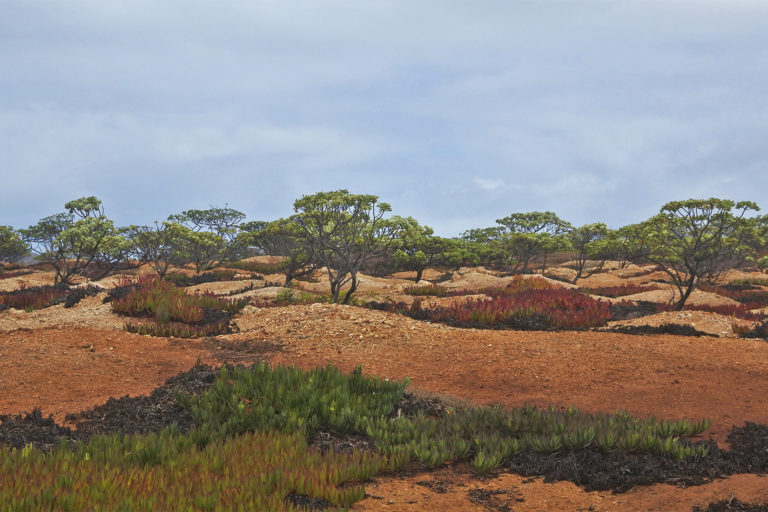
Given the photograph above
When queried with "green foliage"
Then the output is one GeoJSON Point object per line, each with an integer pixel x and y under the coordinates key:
{"type": "Point", "coordinates": [270, 412]}
{"type": "Point", "coordinates": [169, 472]}
{"type": "Point", "coordinates": [593, 246]}
{"type": "Point", "coordinates": [165, 303]}
{"type": "Point", "coordinates": [82, 241]}
{"type": "Point", "coordinates": [12, 247]}
{"type": "Point", "coordinates": [432, 290]}
{"type": "Point", "coordinates": [212, 236]}
{"type": "Point", "coordinates": [416, 246]}
{"type": "Point", "coordinates": [697, 239]}
{"type": "Point", "coordinates": [162, 246]}
{"type": "Point", "coordinates": [288, 399]}
{"type": "Point", "coordinates": [532, 235]}
{"type": "Point", "coordinates": [341, 232]}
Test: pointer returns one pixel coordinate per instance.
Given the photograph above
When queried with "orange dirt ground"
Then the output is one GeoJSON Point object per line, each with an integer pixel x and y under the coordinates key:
{"type": "Point", "coordinates": [67, 360]}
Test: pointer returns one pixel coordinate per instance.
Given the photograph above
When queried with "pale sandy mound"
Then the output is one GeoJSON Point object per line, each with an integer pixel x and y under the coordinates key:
{"type": "Point", "coordinates": [89, 312]}
{"type": "Point", "coordinates": [670, 294]}
{"type": "Point", "coordinates": [428, 275]}
{"type": "Point", "coordinates": [733, 275]}
{"type": "Point", "coordinates": [265, 259]}
{"type": "Point", "coordinates": [711, 323]}
{"type": "Point", "coordinates": [36, 278]}
{"type": "Point", "coordinates": [225, 287]}
{"type": "Point", "coordinates": [477, 278]}
{"type": "Point", "coordinates": [367, 285]}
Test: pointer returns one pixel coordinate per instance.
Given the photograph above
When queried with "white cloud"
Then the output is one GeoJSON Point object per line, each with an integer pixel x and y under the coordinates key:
{"type": "Point", "coordinates": [488, 184]}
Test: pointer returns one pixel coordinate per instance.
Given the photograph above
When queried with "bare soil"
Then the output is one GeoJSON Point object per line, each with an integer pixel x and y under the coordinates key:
{"type": "Point", "coordinates": [64, 361]}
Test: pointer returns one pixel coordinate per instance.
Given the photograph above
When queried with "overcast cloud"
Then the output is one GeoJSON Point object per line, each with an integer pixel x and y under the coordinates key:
{"type": "Point", "coordinates": [456, 113]}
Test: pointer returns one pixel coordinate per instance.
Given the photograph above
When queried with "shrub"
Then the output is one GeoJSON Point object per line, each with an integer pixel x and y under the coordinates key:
{"type": "Point", "coordinates": [183, 280]}
{"type": "Point", "coordinates": [167, 471]}
{"type": "Point", "coordinates": [36, 297]}
{"type": "Point", "coordinates": [161, 300]}
{"type": "Point", "coordinates": [430, 290]}
{"type": "Point", "coordinates": [758, 331]}
{"type": "Point", "coordinates": [543, 308]}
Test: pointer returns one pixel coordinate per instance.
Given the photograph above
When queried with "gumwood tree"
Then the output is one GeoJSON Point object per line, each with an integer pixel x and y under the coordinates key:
{"type": "Point", "coordinates": [593, 248]}
{"type": "Point", "coordinates": [281, 238]}
{"type": "Point", "coordinates": [484, 246]}
{"type": "Point", "coordinates": [12, 247]}
{"type": "Point", "coordinates": [697, 239]}
{"type": "Point", "coordinates": [212, 235]}
{"type": "Point", "coordinates": [162, 246]}
{"type": "Point", "coordinates": [81, 241]}
{"type": "Point", "coordinates": [341, 231]}
{"type": "Point", "coordinates": [457, 252]}
{"type": "Point", "coordinates": [628, 244]}
{"type": "Point", "coordinates": [416, 246]}
{"type": "Point", "coordinates": [529, 236]}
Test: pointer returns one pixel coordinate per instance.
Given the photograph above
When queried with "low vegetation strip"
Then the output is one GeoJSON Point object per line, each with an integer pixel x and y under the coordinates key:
{"type": "Point", "coordinates": [274, 412]}
{"type": "Point", "coordinates": [39, 297]}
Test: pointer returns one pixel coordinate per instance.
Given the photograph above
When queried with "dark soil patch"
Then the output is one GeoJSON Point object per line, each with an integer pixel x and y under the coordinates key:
{"type": "Point", "coordinates": [438, 486]}
{"type": "Point", "coordinates": [624, 311]}
{"type": "Point", "coordinates": [494, 500]}
{"type": "Point", "coordinates": [240, 351]}
{"type": "Point", "coordinates": [308, 503]}
{"type": "Point", "coordinates": [20, 430]}
{"type": "Point", "coordinates": [676, 329]}
{"type": "Point", "coordinates": [78, 294]}
{"type": "Point", "coordinates": [732, 505]}
{"type": "Point", "coordinates": [146, 414]}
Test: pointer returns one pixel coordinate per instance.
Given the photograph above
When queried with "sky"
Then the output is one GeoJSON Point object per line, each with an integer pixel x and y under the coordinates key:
{"type": "Point", "coordinates": [456, 113]}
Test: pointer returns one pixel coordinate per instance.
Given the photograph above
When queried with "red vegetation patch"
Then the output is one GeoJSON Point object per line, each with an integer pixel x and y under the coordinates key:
{"type": "Point", "coordinates": [32, 298]}
{"type": "Point", "coordinates": [527, 304]}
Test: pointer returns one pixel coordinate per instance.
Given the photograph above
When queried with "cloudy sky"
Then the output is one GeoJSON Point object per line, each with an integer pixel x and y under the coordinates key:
{"type": "Point", "coordinates": [455, 112]}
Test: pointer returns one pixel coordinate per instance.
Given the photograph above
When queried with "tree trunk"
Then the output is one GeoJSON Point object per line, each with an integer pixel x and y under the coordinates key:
{"type": "Point", "coordinates": [352, 288]}
{"type": "Point", "coordinates": [689, 287]}
{"type": "Point", "coordinates": [419, 273]}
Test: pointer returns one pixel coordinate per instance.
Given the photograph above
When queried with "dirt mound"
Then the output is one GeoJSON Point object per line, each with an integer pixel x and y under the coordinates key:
{"type": "Point", "coordinates": [712, 324]}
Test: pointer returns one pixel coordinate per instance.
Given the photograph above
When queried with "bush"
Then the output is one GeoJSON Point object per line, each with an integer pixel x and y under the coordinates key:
{"type": "Point", "coordinates": [430, 290]}
{"type": "Point", "coordinates": [758, 331]}
{"type": "Point", "coordinates": [183, 280]}
{"type": "Point", "coordinates": [36, 297]}
{"type": "Point", "coordinates": [161, 300]}
{"type": "Point", "coordinates": [541, 309]}
{"type": "Point", "coordinates": [530, 304]}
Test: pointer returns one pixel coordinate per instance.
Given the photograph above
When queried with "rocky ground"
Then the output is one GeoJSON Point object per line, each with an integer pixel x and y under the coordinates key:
{"type": "Point", "coordinates": [65, 361]}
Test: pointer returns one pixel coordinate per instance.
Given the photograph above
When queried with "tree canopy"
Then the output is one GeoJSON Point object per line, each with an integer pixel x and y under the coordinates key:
{"type": "Point", "coordinates": [341, 231]}
{"type": "Point", "coordinates": [697, 239]}
{"type": "Point", "coordinates": [12, 247]}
